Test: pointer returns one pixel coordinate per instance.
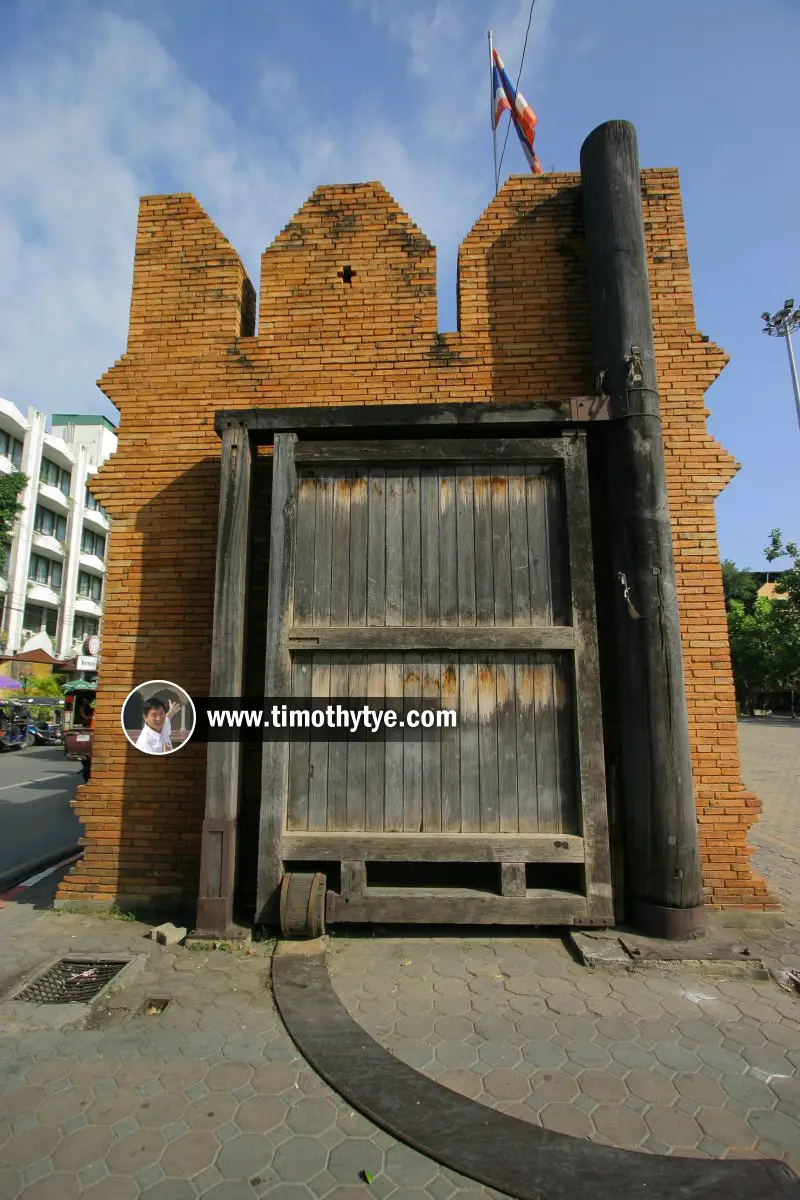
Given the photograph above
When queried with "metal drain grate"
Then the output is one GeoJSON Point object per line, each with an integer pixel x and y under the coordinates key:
{"type": "Point", "coordinates": [71, 981]}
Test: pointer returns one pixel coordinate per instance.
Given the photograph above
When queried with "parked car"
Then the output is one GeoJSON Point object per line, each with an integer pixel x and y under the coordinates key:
{"type": "Point", "coordinates": [79, 699]}
{"type": "Point", "coordinates": [13, 725]}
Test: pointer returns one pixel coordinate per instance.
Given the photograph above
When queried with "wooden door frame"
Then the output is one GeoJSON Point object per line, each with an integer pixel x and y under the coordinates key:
{"type": "Point", "coordinates": [568, 449]}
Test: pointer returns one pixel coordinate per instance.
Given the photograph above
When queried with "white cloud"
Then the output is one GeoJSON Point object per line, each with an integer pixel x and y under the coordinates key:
{"type": "Point", "coordinates": [98, 113]}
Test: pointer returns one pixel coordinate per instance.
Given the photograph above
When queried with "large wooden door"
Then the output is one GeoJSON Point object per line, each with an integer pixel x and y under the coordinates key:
{"type": "Point", "coordinates": [455, 574]}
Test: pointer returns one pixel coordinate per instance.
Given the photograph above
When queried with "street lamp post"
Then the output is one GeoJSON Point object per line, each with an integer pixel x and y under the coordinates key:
{"type": "Point", "coordinates": [781, 324]}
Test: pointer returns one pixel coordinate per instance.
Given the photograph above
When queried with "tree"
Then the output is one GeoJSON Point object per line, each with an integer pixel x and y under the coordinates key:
{"type": "Point", "coordinates": [752, 637]}
{"type": "Point", "coordinates": [738, 584]}
{"type": "Point", "coordinates": [788, 585]}
{"type": "Point", "coordinates": [10, 487]}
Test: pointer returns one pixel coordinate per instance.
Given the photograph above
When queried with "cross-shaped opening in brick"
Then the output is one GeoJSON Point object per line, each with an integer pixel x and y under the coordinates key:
{"type": "Point", "coordinates": [347, 273]}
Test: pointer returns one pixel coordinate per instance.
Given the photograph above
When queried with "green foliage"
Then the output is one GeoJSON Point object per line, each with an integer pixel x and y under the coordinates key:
{"type": "Point", "coordinates": [10, 487]}
{"type": "Point", "coordinates": [739, 585]}
{"type": "Point", "coordinates": [788, 586]}
{"type": "Point", "coordinates": [45, 685]}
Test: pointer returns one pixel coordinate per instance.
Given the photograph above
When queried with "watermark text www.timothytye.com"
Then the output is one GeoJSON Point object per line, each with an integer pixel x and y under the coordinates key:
{"type": "Point", "coordinates": [323, 719]}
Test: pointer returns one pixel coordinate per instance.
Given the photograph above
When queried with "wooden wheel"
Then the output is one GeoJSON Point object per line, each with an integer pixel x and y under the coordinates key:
{"type": "Point", "coordinates": [302, 909]}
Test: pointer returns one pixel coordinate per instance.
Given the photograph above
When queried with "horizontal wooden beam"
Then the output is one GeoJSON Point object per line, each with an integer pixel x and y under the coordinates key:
{"type": "Point", "coordinates": [457, 906]}
{"type": "Point", "coordinates": [364, 453]}
{"type": "Point", "coordinates": [396, 638]}
{"type": "Point", "coordinates": [299, 846]}
{"type": "Point", "coordinates": [364, 417]}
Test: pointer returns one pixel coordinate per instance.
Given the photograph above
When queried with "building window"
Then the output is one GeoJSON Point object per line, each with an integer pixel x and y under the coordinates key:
{"type": "Point", "coordinates": [36, 619]}
{"type": "Point", "coordinates": [11, 448]}
{"type": "Point", "coordinates": [55, 476]}
{"type": "Point", "coordinates": [90, 587]}
{"type": "Point", "coordinates": [50, 523]}
{"type": "Point", "coordinates": [45, 571]}
{"type": "Point", "coordinates": [93, 543]}
{"type": "Point", "coordinates": [83, 627]}
{"type": "Point", "coordinates": [94, 505]}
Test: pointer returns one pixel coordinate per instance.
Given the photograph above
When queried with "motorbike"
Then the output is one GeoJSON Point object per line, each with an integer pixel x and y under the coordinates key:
{"type": "Point", "coordinates": [44, 733]}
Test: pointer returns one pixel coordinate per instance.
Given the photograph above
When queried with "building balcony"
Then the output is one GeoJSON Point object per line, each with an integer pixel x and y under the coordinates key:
{"type": "Point", "coordinates": [49, 544]}
{"type": "Point", "coordinates": [90, 562]}
{"type": "Point", "coordinates": [87, 607]}
{"type": "Point", "coordinates": [55, 496]}
{"type": "Point", "coordinates": [58, 451]}
{"type": "Point", "coordinates": [42, 593]}
{"type": "Point", "coordinates": [95, 520]}
{"type": "Point", "coordinates": [12, 420]}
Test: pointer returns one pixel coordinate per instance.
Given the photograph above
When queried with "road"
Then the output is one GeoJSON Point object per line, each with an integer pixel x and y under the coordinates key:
{"type": "Point", "coordinates": [36, 786]}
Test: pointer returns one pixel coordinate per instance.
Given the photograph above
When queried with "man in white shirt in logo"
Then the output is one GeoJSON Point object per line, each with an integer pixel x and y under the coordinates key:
{"type": "Point", "coordinates": [155, 737]}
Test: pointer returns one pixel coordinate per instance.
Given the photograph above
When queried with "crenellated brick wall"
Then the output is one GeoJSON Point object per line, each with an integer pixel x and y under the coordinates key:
{"type": "Point", "coordinates": [523, 335]}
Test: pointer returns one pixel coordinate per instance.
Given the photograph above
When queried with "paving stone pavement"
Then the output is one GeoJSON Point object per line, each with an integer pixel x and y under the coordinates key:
{"type": "Point", "coordinates": [210, 1098]}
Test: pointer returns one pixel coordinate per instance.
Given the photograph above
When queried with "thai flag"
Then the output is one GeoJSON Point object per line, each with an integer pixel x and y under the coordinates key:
{"type": "Point", "coordinates": [523, 116]}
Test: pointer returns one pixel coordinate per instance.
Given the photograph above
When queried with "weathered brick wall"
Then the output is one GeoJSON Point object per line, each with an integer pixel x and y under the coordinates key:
{"type": "Point", "coordinates": [523, 334]}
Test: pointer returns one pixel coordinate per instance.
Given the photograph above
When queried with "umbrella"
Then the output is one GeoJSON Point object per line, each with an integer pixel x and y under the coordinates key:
{"type": "Point", "coordinates": [7, 682]}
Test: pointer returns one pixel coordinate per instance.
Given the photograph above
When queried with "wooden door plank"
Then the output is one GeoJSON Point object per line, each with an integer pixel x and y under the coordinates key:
{"type": "Point", "coordinates": [356, 807]}
{"type": "Point", "coordinates": [518, 537]}
{"type": "Point", "coordinates": [546, 768]}
{"type": "Point", "coordinates": [412, 748]}
{"type": "Point", "coordinates": [375, 750]}
{"type": "Point", "coordinates": [323, 546]}
{"type": "Point", "coordinates": [448, 549]}
{"type": "Point", "coordinates": [412, 599]}
{"type": "Point", "coordinates": [451, 766]}
{"type": "Point", "coordinates": [318, 751]}
{"type": "Point", "coordinates": [507, 744]}
{"type": "Point", "coordinates": [359, 514]}
{"type": "Point", "coordinates": [487, 744]}
{"type": "Point", "coordinates": [465, 545]}
{"type": "Point", "coordinates": [527, 785]}
{"type": "Point", "coordinates": [501, 548]}
{"type": "Point", "coordinates": [394, 751]}
{"type": "Point", "coordinates": [337, 750]}
{"type": "Point", "coordinates": [429, 545]}
{"type": "Point", "coordinates": [394, 547]}
{"type": "Point", "coordinates": [278, 678]}
{"type": "Point", "coordinates": [340, 548]}
{"type": "Point", "coordinates": [431, 747]}
{"type": "Point", "coordinates": [566, 744]}
{"type": "Point", "coordinates": [538, 547]}
{"type": "Point", "coordinates": [557, 553]}
{"type": "Point", "coordinates": [484, 575]}
{"type": "Point", "coordinates": [303, 608]}
{"type": "Point", "coordinates": [376, 548]}
{"type": "Point", "coordinates": [468, 723]}
{"type": "Point", "coordinates": [299, 751]}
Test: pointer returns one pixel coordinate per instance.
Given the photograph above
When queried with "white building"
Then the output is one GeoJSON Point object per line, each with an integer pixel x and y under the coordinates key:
{"type": "Point", "coordinates": [52, 582]}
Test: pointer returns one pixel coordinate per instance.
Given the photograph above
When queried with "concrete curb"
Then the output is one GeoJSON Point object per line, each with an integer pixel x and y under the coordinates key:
{"type": "Point", "coordinates": [17, 875]}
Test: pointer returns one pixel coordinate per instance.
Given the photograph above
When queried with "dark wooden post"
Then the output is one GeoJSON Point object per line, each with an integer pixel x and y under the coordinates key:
{"type": "Point", "coordinates": [223, 774]}
{"type": "Point", "coordinates": [664, 890]}
{"type": "Point", "coordinates": [278, 679]}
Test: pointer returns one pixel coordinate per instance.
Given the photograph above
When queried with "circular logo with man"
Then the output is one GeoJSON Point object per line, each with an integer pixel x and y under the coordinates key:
{"type": "Point", "coordinates": [158, 717]}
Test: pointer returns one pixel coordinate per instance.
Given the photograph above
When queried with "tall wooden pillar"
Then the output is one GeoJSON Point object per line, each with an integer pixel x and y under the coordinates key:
{"type": "Point", "coordinates": [223, 774]}
{"type": "Point", "coordinates": [664, 891]}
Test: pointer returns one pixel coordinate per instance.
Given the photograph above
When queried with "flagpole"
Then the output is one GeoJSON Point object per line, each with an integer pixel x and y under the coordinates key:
{"type": "Point", "coordinates": [491, 111]}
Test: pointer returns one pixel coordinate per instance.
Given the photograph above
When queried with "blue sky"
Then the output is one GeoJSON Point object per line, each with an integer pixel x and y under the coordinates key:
{"type": "Point", "coordinates": [251, 106]}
